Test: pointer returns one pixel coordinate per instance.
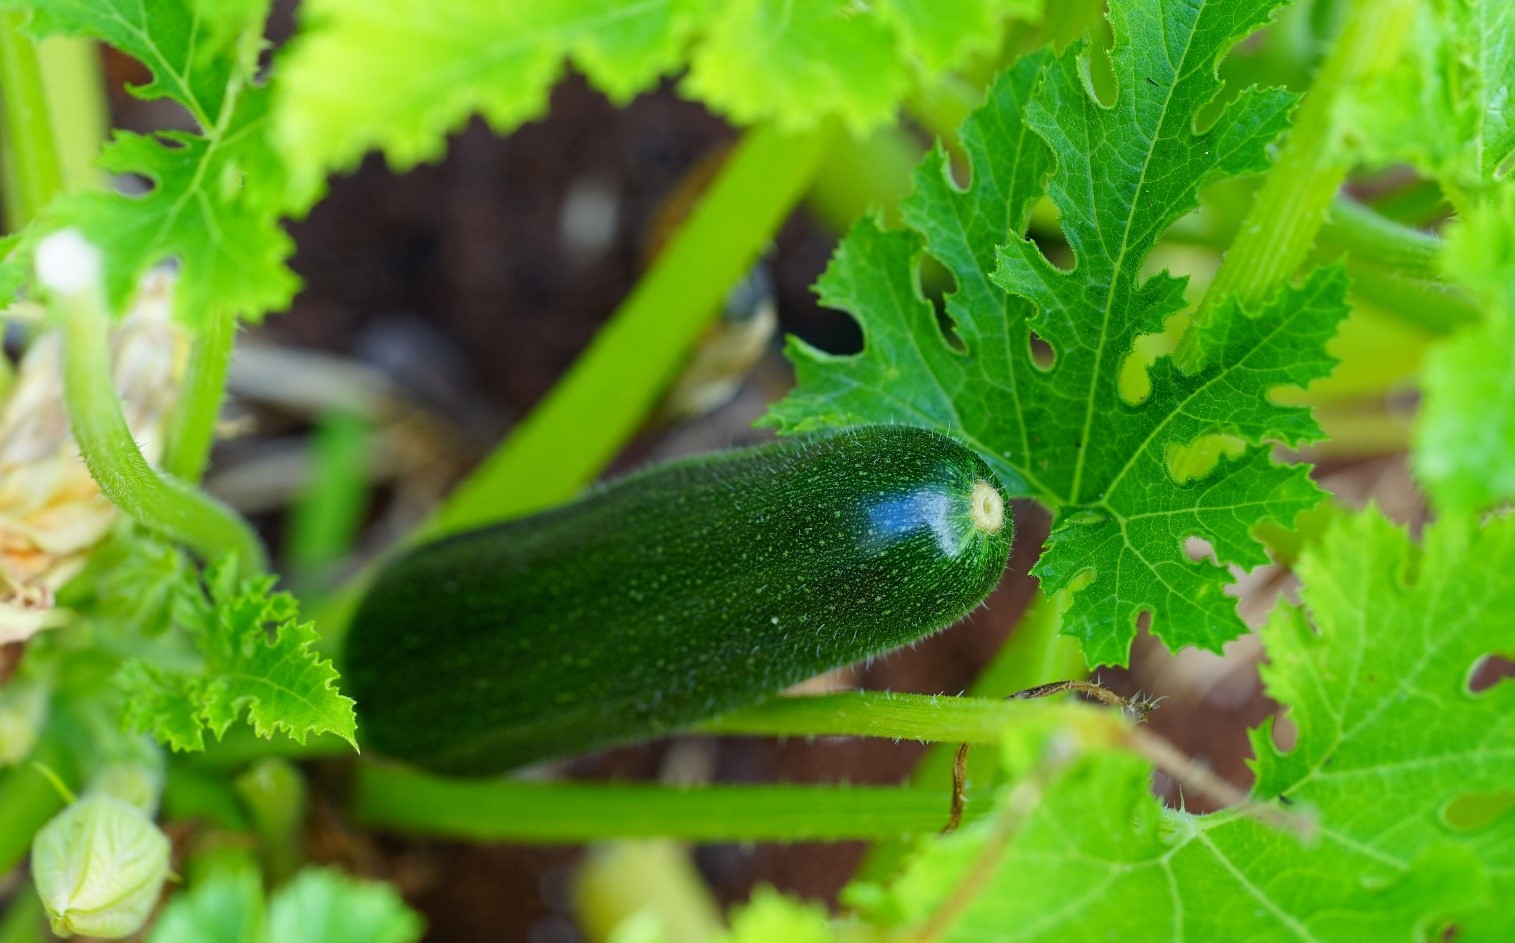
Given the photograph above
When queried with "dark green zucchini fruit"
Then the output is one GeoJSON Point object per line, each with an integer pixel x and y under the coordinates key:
{"type": "Point", "coordinates": [671, 595]}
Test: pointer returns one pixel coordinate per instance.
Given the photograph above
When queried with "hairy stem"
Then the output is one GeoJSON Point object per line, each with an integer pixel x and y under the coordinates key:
{"type": "Point", "coordinates": [158, 501]}
{"type": "Point", "coordinates": [1288, 212]}
{"type": "Point", "coordinates": [1034, 654]}
{"type": "Point", "coordinates": [1376, 239]}
{"type": "Point", "coordinates": [393, 799]}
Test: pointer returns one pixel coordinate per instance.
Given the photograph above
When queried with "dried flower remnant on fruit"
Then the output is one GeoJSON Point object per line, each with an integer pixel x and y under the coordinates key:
{"type": "Point", "coordinates": [51, 511]}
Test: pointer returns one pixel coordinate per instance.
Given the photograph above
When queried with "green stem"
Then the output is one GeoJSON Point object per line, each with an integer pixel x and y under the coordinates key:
{"type": "Point", "coordinates": [75, 83]}
{"type": "Point", "coordinates": [510, 810]}
{"type": "Point", "coordinates": [393, 799]}
{"type": "Point", "coordinates": [1431, 306]}
{"type": "Point", "coordinates": [934, 718]}
{"type": "Point", "coordinates": [1288, 211]}
{"type": "Point", "coordinates": [1376, 239]}
{"type": "Point", "coordinates": [1392, 265]}
{"type": "Point", "coordinates": [593, 410]}
{"type": "Point", "coordinates": [1034, 654]}
{"type": "Point", "coordinates": [192, 426]}
{"type": "Point", "coordinates": [327, 517]}
{"type": "Point", "coordinates": [33, 175]}
{"type": "Point", "coordinates": [28, 798]}
{"type": "Point", "coordinates": [115, 462]}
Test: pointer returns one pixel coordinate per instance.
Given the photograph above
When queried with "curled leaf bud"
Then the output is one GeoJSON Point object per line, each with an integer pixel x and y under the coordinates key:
{"type": "Point", "coordinates": [99, 867]}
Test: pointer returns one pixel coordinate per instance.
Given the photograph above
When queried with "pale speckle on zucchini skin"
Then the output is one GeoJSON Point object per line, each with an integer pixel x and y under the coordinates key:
{"type": "Point", "coordinates": [670, 595]}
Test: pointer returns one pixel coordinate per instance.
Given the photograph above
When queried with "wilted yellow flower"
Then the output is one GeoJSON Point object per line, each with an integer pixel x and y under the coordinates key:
{"type": "Point", "coordinates": [51, 511]}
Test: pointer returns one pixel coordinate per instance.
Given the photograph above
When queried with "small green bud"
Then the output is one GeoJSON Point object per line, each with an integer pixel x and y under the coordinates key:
{"type": "Point", "coordinates": [23, 707]}
{"type": "Point", "coordinates": [136, 784]}
{"type": "Point", "coordinates": [99, 867]}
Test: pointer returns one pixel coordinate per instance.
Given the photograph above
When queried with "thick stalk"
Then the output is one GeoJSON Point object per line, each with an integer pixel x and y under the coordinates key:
{"type": "Point", "coordinates": [192, 426]}
{"type": "Point", "coordinates": [1281, 225]}
{"type": "Point", "coordinates": [606, 395]}
{"type": "Point", "coordinates": [105, 441]}
{"type": "Point", "coordinates": [511, 810]}
{"type": "Point", "coordinates": [75, 83]}
{"type": "Point", "coordinates": [933, 718]}
{"type": "Point", "coordinates": [1376, 239]}
{"type": "Point", "coordinates": [1392, 265]}
{"type": "Point", "coordinates": [33, 175]}
{"type": "Point", "coordinates": [393, 799]}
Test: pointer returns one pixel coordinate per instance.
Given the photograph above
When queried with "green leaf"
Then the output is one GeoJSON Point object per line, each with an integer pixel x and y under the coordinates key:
{"type": "Point", "coordinates": [771, 916]}
{"type": "Point", "coordinates": [216, 195]}
{"type": "Point", "coordinates": [1125, 474]}
{"type": "Point", "coordinates": [794, 64]}
{"type": "Point", "coordinates": [255, 660]}
{"type": "Point", "coordinates": [325, 906]}
{"type": "Point", "coordinates": [224, 907]}
{"type": "Point", "coordinates": [318, 906]}
{"type": "Point", "coordinates": [1373, 670]}
{"type": "Point", "coordinates": [1446, 106]}
{"type": "Point", "coordinates": [1465, 441]}
{"type": "Point", "coordinates": [939, 36]}
{"type": "Point", "coordinates": [134, 582]}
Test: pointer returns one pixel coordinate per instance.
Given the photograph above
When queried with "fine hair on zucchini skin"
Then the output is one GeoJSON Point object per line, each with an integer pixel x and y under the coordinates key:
{"type": "Point", "coordinates": [670, 595]}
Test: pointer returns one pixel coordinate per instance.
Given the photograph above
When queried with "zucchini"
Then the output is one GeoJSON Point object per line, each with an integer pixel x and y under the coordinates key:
{"type": "Point", "coordinates": [671, 595]}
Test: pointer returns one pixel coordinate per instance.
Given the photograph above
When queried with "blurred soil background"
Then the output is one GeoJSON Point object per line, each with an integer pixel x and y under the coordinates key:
{"type": "Point", "coordinates": [441, 305]}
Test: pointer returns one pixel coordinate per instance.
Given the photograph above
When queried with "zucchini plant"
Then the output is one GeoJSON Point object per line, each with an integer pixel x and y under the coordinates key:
{"type": "Point", "coordinates": [1161, 255]}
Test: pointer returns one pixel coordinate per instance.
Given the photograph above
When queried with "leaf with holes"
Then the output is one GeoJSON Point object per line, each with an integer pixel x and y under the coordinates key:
{"type": "Point", "coordinates": [216, 195]}
{"type": "Point", "coordinates": [1129, 477]}
{"type": "Point", "coordinates": [1405, 773]}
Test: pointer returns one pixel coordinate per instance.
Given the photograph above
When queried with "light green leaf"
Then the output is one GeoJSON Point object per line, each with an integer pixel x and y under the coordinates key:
{"type": "Point", "coordinates": [1065, 435]}
{"type": "Point", "coordinates": [940, 35]}
{"type": "Point", "coordinates": [216, 195]}
{"type": "Point", "coordinates": [497, 59]}
{"type": "Point", "coordinates": [1465, 440]}
{"type": "Point", "coordinates": [1447, 106]}
{"type": "Point", "coordinates": [770, 916]}
{"type": "Point", "coordinates": [318, 906]}
{"type": "Point", "coordinates": [256, 660]}
{"type": "Point", "coordinates": [325, 906]}
{"type": "Point", "coordinates": [1373, 671]}
{"type": "Point", "coordinates": [224, 907]}
{"type": "Point", "coordinates": [133, 582]}
{"type": "Point", "coordinates": [799, 62]}
{"type": "Point", "coordinates": [794, 64]}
